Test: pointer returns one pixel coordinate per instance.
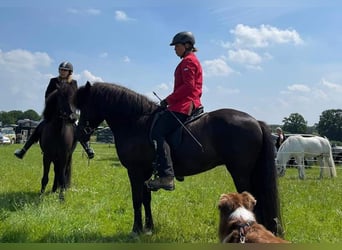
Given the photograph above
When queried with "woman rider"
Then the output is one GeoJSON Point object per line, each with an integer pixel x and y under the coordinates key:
{"type": "Point", "coordinates": [184, 99]}
{"type": "Point", "coordinates": [65, 70]}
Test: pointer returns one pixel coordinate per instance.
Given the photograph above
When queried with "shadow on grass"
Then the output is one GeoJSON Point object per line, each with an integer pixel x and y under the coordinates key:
{"type": "Point", "coordinates": [14, 201]}
{"type": "Point", "coordinates": [82, 237]}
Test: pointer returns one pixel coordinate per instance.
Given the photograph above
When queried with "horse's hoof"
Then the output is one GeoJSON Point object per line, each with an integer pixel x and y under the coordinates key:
{"type": "Point", "coordinates": [61, 197]}
{"type": "Point", "coordinates": [148, 232]}
{"type": "Point", "coordinates": [134, 235]}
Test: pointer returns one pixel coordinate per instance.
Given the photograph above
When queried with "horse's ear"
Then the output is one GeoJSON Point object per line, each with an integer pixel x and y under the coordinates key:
{"type": "Point", "coordinates": [88, 84]}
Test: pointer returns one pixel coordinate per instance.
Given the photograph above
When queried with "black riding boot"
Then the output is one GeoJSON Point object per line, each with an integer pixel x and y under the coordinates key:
{"type": "Point", "coordinates": [34, 137]}
{"type": "Point", "coordinates": [90, 152]}
{"type": "Point", "coordinates": [164, 169]}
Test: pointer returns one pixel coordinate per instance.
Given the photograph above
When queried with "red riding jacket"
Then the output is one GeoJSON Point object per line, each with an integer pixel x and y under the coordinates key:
{"type": "Point", "coordinates": [187, 89]}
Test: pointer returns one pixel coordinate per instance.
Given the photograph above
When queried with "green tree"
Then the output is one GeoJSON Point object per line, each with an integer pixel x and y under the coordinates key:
{"type": "Point", "coordinates": [30, 114]}
{"type": "Point", "coordinates": [295, 124]}
{"type": "Point", "coordinates": [330, 124]}
{"type": "Point", "coordinates": [10, 117]}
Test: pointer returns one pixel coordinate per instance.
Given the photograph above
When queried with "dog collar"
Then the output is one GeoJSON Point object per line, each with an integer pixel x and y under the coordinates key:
{"type": "Point", "coordinates": [243, 230]}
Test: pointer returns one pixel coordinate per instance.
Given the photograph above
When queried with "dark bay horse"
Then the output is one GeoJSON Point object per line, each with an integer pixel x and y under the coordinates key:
{"type": "Point", "coordinates": [57, 138]}
{"type": "Point", "coordinates": [228, 137]}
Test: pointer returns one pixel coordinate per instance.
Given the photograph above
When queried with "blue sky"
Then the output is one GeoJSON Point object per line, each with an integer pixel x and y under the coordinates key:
{"type": "Point", "coordinates": [266, 58]}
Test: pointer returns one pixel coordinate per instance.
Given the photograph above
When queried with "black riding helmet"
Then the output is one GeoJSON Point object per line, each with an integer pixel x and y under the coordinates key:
{"type": "Point", "coordinates": [183, 38]}
{"type": "Point", "coordinates": [67, 66]}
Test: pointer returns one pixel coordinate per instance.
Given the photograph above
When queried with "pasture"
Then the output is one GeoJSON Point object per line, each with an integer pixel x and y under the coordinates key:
{"type": "Point", "coordinates": [98, 207]}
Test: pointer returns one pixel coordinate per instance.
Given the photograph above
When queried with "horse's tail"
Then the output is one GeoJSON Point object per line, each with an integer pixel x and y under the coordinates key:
{"type": "Point", "coordinates": [331, 163]}
{"type": "Point", "coordinates": [265, 185]}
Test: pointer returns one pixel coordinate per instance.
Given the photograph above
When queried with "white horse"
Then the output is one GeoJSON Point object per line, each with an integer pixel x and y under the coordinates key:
{"type": "Point", "coordinates": [298, 147]}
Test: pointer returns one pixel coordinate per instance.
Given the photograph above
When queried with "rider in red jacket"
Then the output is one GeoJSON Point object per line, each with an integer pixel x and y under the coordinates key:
{"type": "Point", "coordinates": [184, 99]}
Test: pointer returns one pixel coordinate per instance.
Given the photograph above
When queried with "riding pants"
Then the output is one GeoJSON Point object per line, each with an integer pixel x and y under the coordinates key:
{"type": "Point", "coordinates": [34, 137]}
{"type": "Point", "coordinates": [165, 124]}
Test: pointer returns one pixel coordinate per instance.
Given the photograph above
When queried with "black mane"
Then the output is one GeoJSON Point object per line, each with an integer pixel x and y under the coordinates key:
{"type": "Point", "coordinates": [52, 108]}
{"type": "Point", "coordinates": [119, 99]}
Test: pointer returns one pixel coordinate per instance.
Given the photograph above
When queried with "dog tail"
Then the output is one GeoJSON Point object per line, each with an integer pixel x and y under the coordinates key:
{"type": "Point", "coordinates": [265, 186]}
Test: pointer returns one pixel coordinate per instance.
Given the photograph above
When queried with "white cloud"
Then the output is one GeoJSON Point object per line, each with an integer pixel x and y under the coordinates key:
{"type": "Point", "coordinates": [20, 59]}
{"type": "Point", "coordinates": [163, 86]}
{"type": "Point", "coordinates": [22, 81]}
{"type": "Point", "coordinates": [263, 36]}
{"type": "Point", "coordinates": [93, 12]}
{"type": "Point", "coordinates": [332, 86]}
{"type": "Point", "coordinates": [216, 67]}
{"type": "Point", "coordinates": [224, 90]}
{"type": "Point", "coordinates": [122, 16]}
{"type": "Point", "coordinates": [90, 11]}
{"type": "Point", "coordinates": [103, 55]}
{"type": "Point", "coordinates": [244, 56]}
{"type": "Point", "coordinates": [299, 88]}
{"type": "Point", "coordinates": [126, 59]}
{"type": "Point", "coordinates": [72, 11]}
{"type": "Point", "coordinates": [85, 76]}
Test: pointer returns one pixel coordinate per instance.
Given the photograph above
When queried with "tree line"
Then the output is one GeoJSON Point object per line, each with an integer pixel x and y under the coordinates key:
{"type": "Point", "coordinates": [12, 117]}
{"type": "Point", "coordinates": [329, 125]}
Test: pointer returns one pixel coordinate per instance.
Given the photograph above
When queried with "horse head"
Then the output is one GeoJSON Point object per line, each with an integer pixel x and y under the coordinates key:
{"type": "Point", "coordinates": [59, 104]}
{"type": "Point", "coordinates": [89, 117]}
{"type": "Point", "coordinates": [281, 168]}
{"type": "Point", "coordinates": [281, 161]}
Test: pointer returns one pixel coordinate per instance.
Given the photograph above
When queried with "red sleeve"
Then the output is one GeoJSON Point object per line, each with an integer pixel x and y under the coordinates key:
{"type": "Point", "coordinates": [184, 81]}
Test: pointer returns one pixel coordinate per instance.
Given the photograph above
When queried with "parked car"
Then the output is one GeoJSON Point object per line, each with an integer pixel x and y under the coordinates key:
{"type": "Point", "coordinates": [4, 139]}
{"type": "Point", "coordinates": [10, 133]}
{"type": "Point", "coordinates": [337, 153]}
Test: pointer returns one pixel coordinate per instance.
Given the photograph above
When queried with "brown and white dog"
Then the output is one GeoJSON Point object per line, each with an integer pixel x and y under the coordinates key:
{"type": "Point", "coordinates": [238, 223]}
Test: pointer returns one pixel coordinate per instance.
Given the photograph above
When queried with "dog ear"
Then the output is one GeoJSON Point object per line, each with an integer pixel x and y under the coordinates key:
{"type": "Point", "coordinates": [225, 203]}
{"type": "Point", "coordinates": [248, 200]}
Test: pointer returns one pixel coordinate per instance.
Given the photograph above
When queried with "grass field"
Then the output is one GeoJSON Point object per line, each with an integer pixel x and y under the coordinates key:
{"type": "Point", "coordinates": [98, 207]}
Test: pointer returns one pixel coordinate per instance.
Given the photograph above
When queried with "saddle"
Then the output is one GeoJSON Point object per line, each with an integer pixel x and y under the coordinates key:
{"type": "Point", "coordinates": [175, 138]}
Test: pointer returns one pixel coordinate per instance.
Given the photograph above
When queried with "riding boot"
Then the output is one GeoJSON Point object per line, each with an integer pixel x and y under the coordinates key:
{"type": "Point", "coordinates": [165, 179]}
{"type": "Point", "coordinates": [19, 153]}
{"type": "Point", "coordinates": [90, 152]}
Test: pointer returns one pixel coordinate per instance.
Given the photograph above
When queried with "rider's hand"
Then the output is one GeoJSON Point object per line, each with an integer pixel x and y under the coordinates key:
{"type": "Point", "coordinates": [163, 103]}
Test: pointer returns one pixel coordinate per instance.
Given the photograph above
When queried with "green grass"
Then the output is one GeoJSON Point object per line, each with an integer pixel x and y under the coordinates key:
{"type": "Point", "coordinates": [98, 206]}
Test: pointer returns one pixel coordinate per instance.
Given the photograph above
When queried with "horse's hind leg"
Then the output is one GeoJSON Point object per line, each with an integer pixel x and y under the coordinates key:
{"type": "Point", "coordinates": [55, 180]}
{"type": "Point", "coordinates": [68, 172]}
{"type": "Point", "coordinates": [321, 162]}
{"type": "Point", "coordinates": [62, 178]}
{"type": "Point", "coordinates": [301, 173]}
{"type": "Point", "coordinates": [149, 226]}
{"type": "Point", "coordinates": [45, 178]}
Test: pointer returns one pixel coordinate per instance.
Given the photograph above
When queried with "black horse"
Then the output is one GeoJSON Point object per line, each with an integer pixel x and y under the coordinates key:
{"type": "Point", "coordinates": [228, 137]}
{"type": "Point", "coordinates": [57, 138]}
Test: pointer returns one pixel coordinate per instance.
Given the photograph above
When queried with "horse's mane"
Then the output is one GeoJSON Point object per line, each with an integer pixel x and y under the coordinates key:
{"type": "Point", "coordinates": [119, 99]}
{"type": "Point", "coordinates": [51, 109]}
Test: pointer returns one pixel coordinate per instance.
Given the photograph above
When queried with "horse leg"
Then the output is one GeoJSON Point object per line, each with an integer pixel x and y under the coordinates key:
{"type": "Point", "coordinates": [300, 161]}
{"type": "Point", "coordinates": [137, 186]}
{"type": "Point", "coordinates": [55, 180]}
{"type": "Point", "coordinates": [332, 166]}
{"type": "Point", "coordinates": [68, 172]}
{"type": "Point", "coordinates": [149, 225]}
{"type": "Point", "coordinates": [62, 178]}
{"type": "Point", "coordinates": [242, 180]}
{"type": "Point", "coordinates": [321, 161]}
{"type": "Point", "coordinates": [46, 170]}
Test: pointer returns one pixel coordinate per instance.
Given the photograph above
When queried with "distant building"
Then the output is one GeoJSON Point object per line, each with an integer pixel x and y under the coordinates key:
{"type": "Point", "coordinates": [24, 129]}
